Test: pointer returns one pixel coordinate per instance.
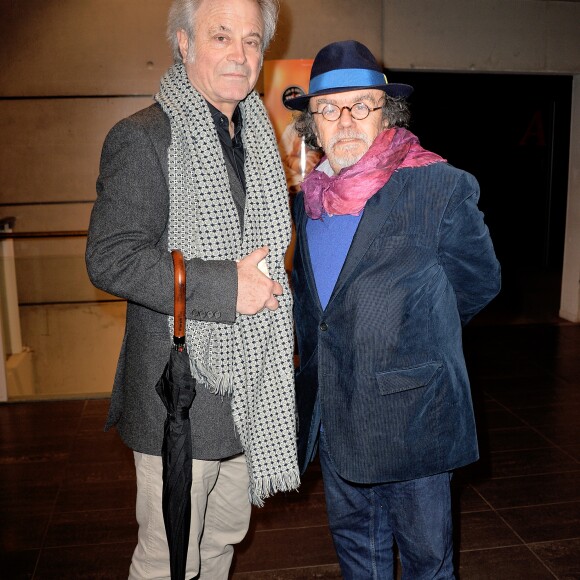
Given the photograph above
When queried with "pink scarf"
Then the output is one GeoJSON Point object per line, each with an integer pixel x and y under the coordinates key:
{"type": "Point", "coordinates": [348, 191]}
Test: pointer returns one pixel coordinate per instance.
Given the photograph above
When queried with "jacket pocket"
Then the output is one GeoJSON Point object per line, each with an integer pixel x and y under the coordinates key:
{"type": "Point", "coordinates": [399, 380]}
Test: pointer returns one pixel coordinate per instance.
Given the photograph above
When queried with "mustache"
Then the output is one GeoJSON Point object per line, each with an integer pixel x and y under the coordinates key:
{"type": "Point", "coordinates": [348, 134]}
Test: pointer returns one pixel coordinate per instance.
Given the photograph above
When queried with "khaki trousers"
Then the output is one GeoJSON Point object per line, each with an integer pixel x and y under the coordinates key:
{"type": "Point", "coordinates": [220, 516]}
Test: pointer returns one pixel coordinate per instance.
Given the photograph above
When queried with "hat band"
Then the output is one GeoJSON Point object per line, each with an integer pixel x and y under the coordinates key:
{"type": "Point", "coordinates": [346, 77]}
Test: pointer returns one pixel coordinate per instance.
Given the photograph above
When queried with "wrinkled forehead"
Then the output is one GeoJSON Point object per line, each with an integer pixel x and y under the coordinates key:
{"type": "Point", "coordinates": [348, 97]}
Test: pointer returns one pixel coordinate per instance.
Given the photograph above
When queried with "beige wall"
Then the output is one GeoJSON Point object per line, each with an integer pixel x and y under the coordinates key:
{"type": "Point", "coordinates": [70, 68]}
{"type": "Point", "coordinates": [305, 26]}
{"type": "Point", "coordinates": [525, 36]}
{"type": "Point", "coordinates": [82, 47]}
{"type": "Point", "coordinates": [570, 300]}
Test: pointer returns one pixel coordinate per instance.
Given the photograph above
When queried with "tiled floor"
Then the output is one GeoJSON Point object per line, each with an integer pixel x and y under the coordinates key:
{"type": "Point", "coordinates": [67, 489]}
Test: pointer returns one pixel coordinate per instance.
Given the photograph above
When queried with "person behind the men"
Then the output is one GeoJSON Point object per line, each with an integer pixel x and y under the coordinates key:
{"type": "Point", "coordinates": [392, 258]}
{"type": "Point", "coordinates": [199, 171]}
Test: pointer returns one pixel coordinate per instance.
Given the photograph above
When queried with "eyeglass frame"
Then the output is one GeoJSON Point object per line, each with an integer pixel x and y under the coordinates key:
{"type": "Point", "coordinates": [349, 109]}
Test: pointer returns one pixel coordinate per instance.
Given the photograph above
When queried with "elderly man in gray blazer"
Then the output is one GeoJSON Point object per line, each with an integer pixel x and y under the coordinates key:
{"type": "Point", "coordinates": [199, 171]}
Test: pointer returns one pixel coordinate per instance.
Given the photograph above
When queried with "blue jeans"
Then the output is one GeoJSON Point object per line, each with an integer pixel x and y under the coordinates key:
{"type": "Point", "coordinates": [365, 521]}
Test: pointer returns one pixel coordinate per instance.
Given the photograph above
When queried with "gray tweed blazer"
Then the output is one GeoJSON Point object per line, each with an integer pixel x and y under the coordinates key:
{"type": "Point", "coordinates": [127, 256]}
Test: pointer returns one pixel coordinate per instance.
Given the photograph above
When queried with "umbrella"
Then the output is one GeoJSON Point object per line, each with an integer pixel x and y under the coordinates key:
{"type": "Point", "coordinates": [176, 387]}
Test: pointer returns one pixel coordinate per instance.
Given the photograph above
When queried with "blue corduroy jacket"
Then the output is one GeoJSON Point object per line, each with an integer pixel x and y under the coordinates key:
{"type": "Point", "coordinates": [382, 365]}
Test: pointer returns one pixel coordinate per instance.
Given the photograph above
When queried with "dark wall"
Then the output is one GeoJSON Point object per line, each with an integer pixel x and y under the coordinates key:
{"type": "Point", "coordinates": [512, 132]}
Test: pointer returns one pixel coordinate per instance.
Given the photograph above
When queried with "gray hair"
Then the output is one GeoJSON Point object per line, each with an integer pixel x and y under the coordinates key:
{"type": "Point", "coordinates": [182, 17]}
{"type": "Point", "coordinates": [395, 111]}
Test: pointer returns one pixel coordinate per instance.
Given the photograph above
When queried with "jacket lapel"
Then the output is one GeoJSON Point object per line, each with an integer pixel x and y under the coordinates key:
{"type": "Point", "coordinates": [302, 245]}
{"type": "Point", "coordinates": [375, 214]}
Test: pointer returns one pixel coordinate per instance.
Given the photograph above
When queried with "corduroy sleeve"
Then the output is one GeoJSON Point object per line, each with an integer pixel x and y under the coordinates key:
{"type": "Point", "coordinates": [466, 250]}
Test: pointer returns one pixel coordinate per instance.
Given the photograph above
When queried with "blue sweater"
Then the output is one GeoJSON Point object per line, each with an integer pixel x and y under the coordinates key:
{"type": "Point", "coordinates": [329, 240]}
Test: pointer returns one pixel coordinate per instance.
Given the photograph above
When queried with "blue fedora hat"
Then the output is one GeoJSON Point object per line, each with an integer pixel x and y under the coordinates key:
{"type": "Point", "coordinates": [346, 66]}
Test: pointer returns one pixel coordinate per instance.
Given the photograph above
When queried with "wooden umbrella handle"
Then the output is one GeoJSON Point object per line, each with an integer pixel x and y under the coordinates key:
{"type": "Point", "coordinates": [178, 297]}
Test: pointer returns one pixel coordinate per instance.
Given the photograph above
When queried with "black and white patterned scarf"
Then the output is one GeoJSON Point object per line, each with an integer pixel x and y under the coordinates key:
{"type": "Point", "coordinates": [251, 359]}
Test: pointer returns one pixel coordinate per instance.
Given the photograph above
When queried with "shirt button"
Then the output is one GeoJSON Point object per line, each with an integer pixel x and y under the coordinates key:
{"type": "Point", "coordinates": [323, 326]}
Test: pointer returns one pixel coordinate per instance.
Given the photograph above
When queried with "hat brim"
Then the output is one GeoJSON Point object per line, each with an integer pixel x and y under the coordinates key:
{"type": "Point", "coordinates": [396, 90]}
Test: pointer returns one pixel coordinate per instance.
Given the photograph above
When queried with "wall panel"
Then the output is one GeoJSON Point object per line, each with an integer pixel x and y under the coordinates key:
{"type": "Point", "coordinates": [55, 145]}
{"type": "Point", "coordinates": [563, 37]}
{"type": "Point", "coordinates": [82, 47]}
{"type": "Point", "coordinates": [305, 26]}
{"type": "Point", "coordinates": [482, 35]}
{"type": "Point", "coordinates": [74, 347]}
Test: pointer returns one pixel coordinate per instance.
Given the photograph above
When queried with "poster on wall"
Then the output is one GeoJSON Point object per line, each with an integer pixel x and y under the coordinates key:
{"type": "Point", "coordinates": [284, 79]}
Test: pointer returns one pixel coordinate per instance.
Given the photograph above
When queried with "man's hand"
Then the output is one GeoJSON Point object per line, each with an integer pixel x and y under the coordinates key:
{"type": "Point", "coordinates": [256, 290]}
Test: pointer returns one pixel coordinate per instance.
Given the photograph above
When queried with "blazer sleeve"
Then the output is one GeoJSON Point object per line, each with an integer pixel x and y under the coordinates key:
{"type": "Point", "coordinates": [466, 250]}
{"type": "Point", "coordinates": [127, 253]}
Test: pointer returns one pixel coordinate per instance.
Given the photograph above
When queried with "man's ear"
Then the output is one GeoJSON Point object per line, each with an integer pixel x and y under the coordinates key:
{"type": "Point", "coordinates": [183, 42]}
{"type": "Point", "coordinates": [316, 134]}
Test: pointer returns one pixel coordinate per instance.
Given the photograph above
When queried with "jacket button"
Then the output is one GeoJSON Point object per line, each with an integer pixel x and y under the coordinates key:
{"type": "Point", "coordinates": [323, 326]}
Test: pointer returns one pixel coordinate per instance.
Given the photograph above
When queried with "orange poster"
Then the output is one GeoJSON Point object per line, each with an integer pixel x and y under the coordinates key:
{"type": "Point", "coordinates": [285, 79]}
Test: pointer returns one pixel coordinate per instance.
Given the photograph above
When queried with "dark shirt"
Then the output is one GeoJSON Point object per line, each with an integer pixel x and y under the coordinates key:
{"type": "Point", "coordinates": [233, 148]}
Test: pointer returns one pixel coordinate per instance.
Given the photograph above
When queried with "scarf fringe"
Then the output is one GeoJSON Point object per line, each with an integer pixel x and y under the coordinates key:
{"type": "Point", "coordinates": [217, 384]}
{"type": "Point", "coordinates": [264, 487]}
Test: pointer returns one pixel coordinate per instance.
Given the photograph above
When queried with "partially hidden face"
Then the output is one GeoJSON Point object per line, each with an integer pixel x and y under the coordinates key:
{"type": "Point", "coordinates": [225, 60]}
{"type": "Point", "coordinates": [346, 140]}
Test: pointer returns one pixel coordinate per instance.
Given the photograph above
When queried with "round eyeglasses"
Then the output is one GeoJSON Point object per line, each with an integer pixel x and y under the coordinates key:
{"type": "Point", "coordinates": [358, 111]}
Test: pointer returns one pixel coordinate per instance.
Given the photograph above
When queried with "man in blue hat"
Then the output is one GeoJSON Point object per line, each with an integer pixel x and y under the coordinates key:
{"type": "Point", "coordinates": [392, 259]}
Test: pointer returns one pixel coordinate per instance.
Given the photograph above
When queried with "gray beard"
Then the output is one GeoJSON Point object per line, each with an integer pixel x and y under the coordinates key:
{"type": "Point", "coordinates": [346, 160]}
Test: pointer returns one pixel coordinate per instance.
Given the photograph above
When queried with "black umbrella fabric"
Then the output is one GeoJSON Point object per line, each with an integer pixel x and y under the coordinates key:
{"type": "Point", "coordinates": [176, 387]}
